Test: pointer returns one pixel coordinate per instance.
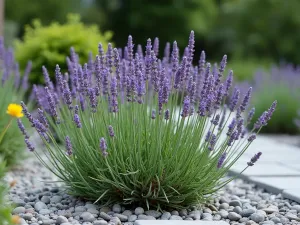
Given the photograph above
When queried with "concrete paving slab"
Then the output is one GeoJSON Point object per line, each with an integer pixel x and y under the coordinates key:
{"type": "Point", "coordinates": [293, 194]}
{"type": "Point", "coordinates": [264, 169]}
{"type": "Point", "coordinates": [179, 222]}
{"type": "Point", "coordinates": [277, 184]}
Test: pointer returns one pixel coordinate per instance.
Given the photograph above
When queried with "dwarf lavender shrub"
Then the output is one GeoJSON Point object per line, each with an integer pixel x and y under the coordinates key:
{"type": "Point", "coordinates": [126, 139]}
{"type": "Point", "coordinates": [282, 83]}
{"type": "Point", "coordinates": [12, 90]}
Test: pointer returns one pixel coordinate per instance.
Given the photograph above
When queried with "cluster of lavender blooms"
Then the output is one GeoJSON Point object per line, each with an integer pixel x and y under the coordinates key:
{"type": "Point", "coordinates": [9, 67]}
{"type": "Point", "coordinates": [127, 76]}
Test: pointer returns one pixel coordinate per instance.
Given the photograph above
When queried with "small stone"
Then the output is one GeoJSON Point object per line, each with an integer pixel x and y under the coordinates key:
{"type": "Point", "coordinates": [80, 209]}
{"type": "Point", "coordinates": [183, 212]}
{"type": "Point", "coordinates": [45, 199]}
{"type": "Point", "coordinates": [217, 217]}
{"type": "Point", "coordinates": [56, 199]}
{"type": "Point", "coordinates": [87, 217]}
{"type": "Point", "coordinates": [18, 202]}
{"type": "Point", "coordinates": [175, 212]}
{"type": "Point", "coordinates": [153, 213]}
{"type": "Point", "coordinates": [100, 222]}
{"type": "Point", "coordinates": [196, 215]}
{"type": "Point", "coordinates": [223, 200]}
{"type": "Point", "coordinates": [45, 211]}
{"type": "Point", "coordinates": [165, 216]}
{"type": "Point", "coordinates": [47, 221]}
{"type": "Point", "coordinates": [234, 216]}
{"type": "Point", "coordinates": [235, 203]}
{"type": "Point", "coordinates": [93, 211]}
{"type": "Point", "coordinates": [61, 220]}
{"type": "Point", "coordinates": [122, 217]}
{"type": "Point", "coordinates": [223, 214]}
{"type": "Point", "coordinates": [175, 217]}
{"type": "Point", "coordinates": [257, 217]}
{"type": "Point", "coordinates": [291, 216]}
{"type": "Point", "coordinates": [115, 221]}
{"type": "Point", "coordinates": [105, 216]}
{"type": "Point", "coordinates": [276, 220]}
{"type": "Point", "coordinates": [207, 210]}
{"type": "Point", "coordinates": [138, 211]}
{"type": "Point", "coordinates": [127, 213]}
{"type": "Point", "coordinates": [224, 206]}
{"type": "Point", "coordinates": [145, 217]}
{"type": "Point", "coordinates": [296, 207]}
{"type": "Point", "coordinates": [238, 210]}
{"type": "Point", "coordinates": [132, 218]}
{"type": "Point", "coordinates": [248, 212]}
{"type": "Point", "coordinates": [105, 209]}
{"type": "Point", "coordinates": [117, 208]}
{"type": "Point", "coordinates": [27, 216]}
{"type": "Point", "coordinates": [19, 210]}
{"type": "Point", "coordinates": [40, 205]}
{"type": "Point", "coordinates": [207, 216]}
{"type": "Point", "coordinates": [271, 209]}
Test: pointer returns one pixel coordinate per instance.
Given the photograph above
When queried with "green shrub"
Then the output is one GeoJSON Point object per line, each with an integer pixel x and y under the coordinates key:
{"type": "Point", "coordinates": [12, 90]}
{"type": "Point", "coordinates": [281, 83]}
{"type": "Point", "coordinates": [50, 45]}
{"type": "Point", "coordinates": [127, 141]}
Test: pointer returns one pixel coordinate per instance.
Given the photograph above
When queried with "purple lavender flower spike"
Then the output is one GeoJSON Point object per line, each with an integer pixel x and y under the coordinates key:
{"type": "Point", "coordinates": [114, 95]}
{"type": "Point", "coordinates": [109, 57]}
{"type": "Point", "coordinates": [246, 99]}
{"type": "Point", "coordinates": [39, 126]}
{"type": "Point", "coordinates": [191, 47]}
{"type": "Point", "coordinates": [232, 137]}
{"type": "Point", "coordinates": [156, 46]}
{"type": "Point", "coordinates": [27, 113]}
{"type": "Point", "coordinates": [212, 142]}
{"type": "Point", "coordinates": [22, 128]}
{"type": "Point", "coordinates": [202, 62]}
{"type": "Point", "coordinates": [234, 100]}
{"type": "Point", "coordinates": [167, 114]}
{"type": "Point", "coordinates": [250, 115]}
{"type": "Point", "coordinates": [262, 121]}
{"type": "Point", "coordinates": [76, 117]}
{"type": "Point", "coordinates": [221, 70]}
{"type": "Point", "coordinates": [93, 99]}
{"type": "Point", "coordinates": [231, 127]}
{"type": "Point", "coordinates": [271, 111]}
{"type": "Point", "coordinates": [207, 136]}
{"type": "Point", "coordinates": [202, 108]}
{"type": "Point", "coordinates": [219, 97]}
{"type": "Point", "coordinates": [167, 53]}
{"type": "Point", "coordinates": [29, 145]}
{"type": "Point", "coordinates": [67, 94]}
{"type": "Point", "coordinates": [130, 47]}
{"type": "Point", "coordinates": [69, 148]}
{"type": "Point", "coordinates": [215, 121]}
{"type": "Point", "coordinates": [254, 159]}
{"type": "Point", "coordinates": [221, 160]}
{"type": "Point", "coordinates": [186, 107]}
{"type": "Point", "coordinates": [252, 137]}
{"type": "Point", "coordinates": [175, 57]}
{"type": "Point", "coordinates": [42, 118]}
{"type": "Point", "coordinates": [111, 131]}
{"type": "Point", "coordinates": [48, 82]}
{"type": "Point", "coordinates": [117, 63]}
{"type": "Point", "coordinates": [103, 146]}
{"type": "Point", "coordinates": [82, 102]}
{"type": "Point", "coordinates": [228, 83]}
{"type": "Point", "coordinates": [51, 102]}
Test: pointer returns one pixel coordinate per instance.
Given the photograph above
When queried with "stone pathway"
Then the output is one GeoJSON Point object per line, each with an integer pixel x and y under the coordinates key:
{"type": "Point", "coordinates": [278, 169]}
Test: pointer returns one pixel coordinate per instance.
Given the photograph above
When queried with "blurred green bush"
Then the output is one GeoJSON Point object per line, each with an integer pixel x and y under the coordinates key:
{"type": "Point", "coordinates": [50, 45]}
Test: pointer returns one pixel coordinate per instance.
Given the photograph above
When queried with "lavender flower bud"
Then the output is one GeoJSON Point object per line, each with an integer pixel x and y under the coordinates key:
{"type": "Point", "coordinates": [254, 159]}
{"type": "Point", "coordinates": [117, 62]}
{"type": "Point", "coordinates": [67, 93]}
{"type": "Point", "coordinates": [212, 142]}
{"type": "Point", "coordinates": [234, 100]}
{"type": "Point", "coordinates": [93, 99]}
{"type": "Point", "coordinates": [221, 160]}
{"type": "Point", "coordinates": [77, 121]}
{"type": "Point", "coordinates": [82, 102]}
{"type": "Point", "coordinates": [207, 137]}
{"type": "Point", "coordinates": [245, 101]}
{"type": "Point", "coordinates": [252, 137]}
{"type": "Point", "coordinates": [221, 70]}
{"type": "Point", "coordinates": [167, 114]}
{"type": "Point", "coordinates": [202, 108]}
{"type": "Point", "coordinates": [27, 113]}
{"type": "Point", "coordinates": [215, 121]}
{"type": "Point", "coordinates": [167, 53]}
{"type": "Point", "coordinates": [111, 131]}
{"type": "Point", "coordinates": [223, 118]}
{"type": "Point", "coordinates": [52, 106]}
{"type": "Point", "coordinates": [250, 115]}
{"type": "Point", "coordinates": [22, 128]}
{"type": "Point", "coordinates": [228, 83]}
{"type": "Point", "coordinates": [69, 151]}
{"type": "Point", "coordinates": [271, 111]}
{"type": "Point", "coordinates": [153, 114]}
{"type": "Point", "coordinates": [231, 127]}
{"type": "Point", "coordinates": [39, 126]}
{"type": "Point", "coordinates": [103, 147]}
{"type": "Point", "coordinates": [175, 57]}
{"type": "Point", "coordinates": [156, 46]}
{"type": "Point", "coordinates": [186, 107]}
{"type": "Point", "coordinates": [262, 121]}
{"type": "Point", "coordinates": [47, 78]}
{"type": "Point", "coordinates": [29, 145]}
{"type": "Point", "coordinates": [219, 97]}
{"type": "Point", "coordinates": [42, 118]}
{"type": "Point", "coordinates": [232, 137]}
{"type": "Point", "coordinates": [109, 57]}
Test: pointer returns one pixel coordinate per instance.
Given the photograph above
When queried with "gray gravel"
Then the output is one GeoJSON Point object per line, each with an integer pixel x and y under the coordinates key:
{"type": "Point", "coordinates": [39, 200]}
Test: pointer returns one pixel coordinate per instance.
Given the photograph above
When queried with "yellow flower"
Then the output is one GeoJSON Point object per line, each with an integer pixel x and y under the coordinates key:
{"type": "Point", "coordinates": [15, 110]}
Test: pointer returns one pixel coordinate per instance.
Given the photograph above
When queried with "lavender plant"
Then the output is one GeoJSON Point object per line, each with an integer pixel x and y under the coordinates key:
{"type": "Point", "coordinates": [12, 90]}
{"type": "Point", "coordinates": [127, 141]}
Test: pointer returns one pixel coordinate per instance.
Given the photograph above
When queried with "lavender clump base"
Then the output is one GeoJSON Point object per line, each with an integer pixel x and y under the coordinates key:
{"type": "Point", "coordinates": [39, 200]}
